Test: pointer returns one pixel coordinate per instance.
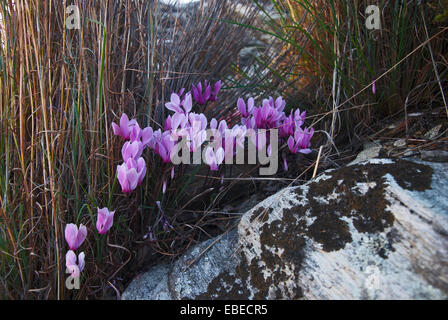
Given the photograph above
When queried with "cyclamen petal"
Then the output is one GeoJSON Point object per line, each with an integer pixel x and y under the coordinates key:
{"type": "Point", "coordinates": [214, 159]}
{"type": "Point", "coordinates": [135, 132]}
{"type": "Point", "coordinates": [105, 220]}
{"type": "Point", "coordinates": [72, 265]}
{"type": "Point", "coordinates": [74, 236]}
{"type": "Point", "coordinates": [81, 261]}
{"type": "Point", "coordinates": [132, 149]}
{"type": "Point", "coordinates": [125, 128]}
{"type": "Point", "coordinates": [146, 136]}
{"type": "Point", "coordinates": [187, 103]}
{"type": "Point", "coordinates": [128, 178]}
{"type": "Point", "coordinates": [242, 107]}
{"type": "Point", "coordinates": [174, 104]}
{"type": "Point", "coordinates": [216, 89]}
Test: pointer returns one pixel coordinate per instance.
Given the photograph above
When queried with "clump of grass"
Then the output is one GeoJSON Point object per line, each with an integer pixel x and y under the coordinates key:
{"type": "Point", "coordinates": [336, 60]}
{"type": "Point", "coordinates": [60, 89]}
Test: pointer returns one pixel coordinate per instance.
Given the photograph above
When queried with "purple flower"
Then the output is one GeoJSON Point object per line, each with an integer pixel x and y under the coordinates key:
{"type": "Point", "coordinates": [125, 128]}
{"type": "Point", "coordinates": [179, 106]}
{"type": "Point", "coordinates": [163, 144]}
{"type": "Point", "coordinates": [285, 163]}
{"type": "Point", "coordinates": [74, 264]}
{"type": "Point", "coordinates": [199, 96]}
{"type": "Point", "coordinates": [299, 118]}
{"type": "Point", "coordinates": [374, 87]}
{"type": "Point", "coordinates": [132, 150]}
{"type": "Point", "coordinates": [213, 124]}
{"type": "Point", "coordinates": [140, 166]}
{"type": "Point", "coordinates": [291, 123]}
{"type": "Point", "coordinates": [246, 112]}
{"type": "Point", "coordinates": [287, 128]}
{"type": "Point", "coordinates": [249, 123]}
{"type": "Point", "coordinates": [214, 159]}
{"type": "Point", "coordinates": [105, 220]}
{"type": "Point", "coordinates": [196, 133]}
{"type": "Point", "coordinates": [301, 141]}
{"type": "Point", "coordinates": [146, 136]}
{"type": "Point", "coordinates": [75, 237]}
{"type": "Point", "coordinates": [178, 125]}
{"type": "Point", "coordinates": [128, 177]}
{"type": "Point", "coordinates": [135, 132]}
{"type": "Point", "coordinates": [216, 89]}
{"type": "Point", "coordinates": [270, 114]}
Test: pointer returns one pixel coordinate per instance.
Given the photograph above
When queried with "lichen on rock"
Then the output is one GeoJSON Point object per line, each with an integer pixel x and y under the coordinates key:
{"type": "Point", "coordinates": [371, 230]}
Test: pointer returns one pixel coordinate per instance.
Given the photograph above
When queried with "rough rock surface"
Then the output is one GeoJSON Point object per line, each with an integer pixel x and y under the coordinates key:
{"type": "Point", "coordinates": [372, 230]}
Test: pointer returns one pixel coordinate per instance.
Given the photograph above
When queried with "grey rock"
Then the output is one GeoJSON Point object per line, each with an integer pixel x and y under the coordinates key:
{"type": "Point", "coordinates": [371, 150]}
{"type": "Point", "coordinates": [373, 230]}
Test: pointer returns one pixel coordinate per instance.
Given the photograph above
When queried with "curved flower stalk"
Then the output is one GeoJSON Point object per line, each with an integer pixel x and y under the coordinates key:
{"type": "Point", "coordinates": [74, 236]}
{"type": "Point", "coordinates": [75, 264]}
{"type": "Point", "coordinates": [105, 220]}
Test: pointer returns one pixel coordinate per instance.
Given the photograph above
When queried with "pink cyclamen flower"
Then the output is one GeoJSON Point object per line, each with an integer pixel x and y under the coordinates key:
{"type": "Point", "coordinates": [75, 264]}
{"type": "Point", "coordinates": [179, 106]}
{"type": "Point", "coordinates": [136, 133]}
{"type": "Point", "coordinates": [214, 159]}
{"type": "Point", "coordinates": [177, 125]}
{"type": "Point", "coordinates": [301, 141]}
{"type": "Point", "coordinates": [200, 96]}
{"type": "Point", "coordinates": [128, 177]}
{"type": "Point", "coordinates": [246, 112]}
{"type": "Point", "coordinates": [132, 150]}
{"type": "Point", "coordinates": [216, 89]}
{"type": "Point", "coordinates": [140, 166]}
{"type": "Point", "coordinates": [163, 144]}
{"type": "Point", "coordinates": [105, 220]}
{"type": "Point", "coordinates": [285, 163]}
{"type": "Point", "coordinates": [74, 236]}
{"type": "Point", "coordinates": [146, 136]}
{"type": "Point", "coordinates": [124, 130]}
{"type": "Point", "coordinates": [268, 116]}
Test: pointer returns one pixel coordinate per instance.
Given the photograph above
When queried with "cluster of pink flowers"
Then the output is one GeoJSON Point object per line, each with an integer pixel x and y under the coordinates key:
{"type": "Point", "coordinates": [182, 124]}
{"type": "Point", "coordinates": [133, 170]}
{"type": "Point", "coordinates": [270, 115]}
{"type": "Point", "coordinates": [75, 236]}
{"type": "Point", "coordinates": [186, 125]}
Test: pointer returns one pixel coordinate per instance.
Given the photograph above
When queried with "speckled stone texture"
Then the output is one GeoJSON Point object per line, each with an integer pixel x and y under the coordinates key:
{"type": "Point", "coordinates": [372, 230]}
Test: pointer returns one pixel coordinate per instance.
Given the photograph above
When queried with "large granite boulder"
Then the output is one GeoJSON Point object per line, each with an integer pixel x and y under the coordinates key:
{"type": "Point", "coordinates": [373, 230]}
